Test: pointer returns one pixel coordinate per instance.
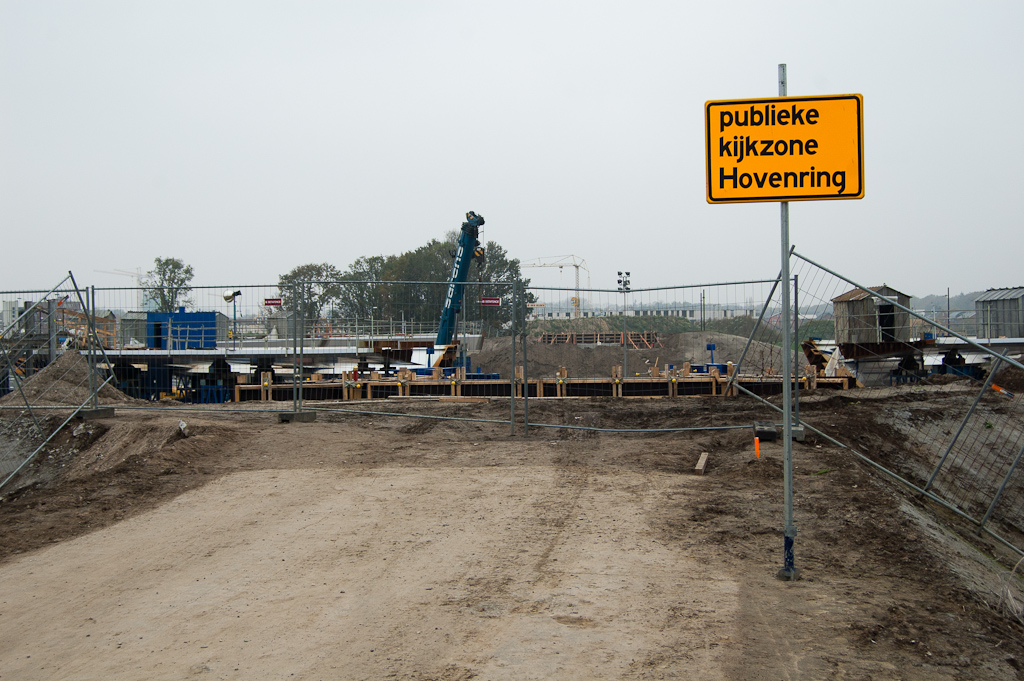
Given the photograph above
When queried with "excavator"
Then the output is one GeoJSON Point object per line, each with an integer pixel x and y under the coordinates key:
{"type": "Point", "coordinates": [469, 248]}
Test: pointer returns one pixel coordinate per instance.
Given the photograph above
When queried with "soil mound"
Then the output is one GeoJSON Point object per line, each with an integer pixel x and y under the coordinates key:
{"type": "Point", "coordinates": [1010, 378]}
{"type": "Point", "coordinates": [63, 382]}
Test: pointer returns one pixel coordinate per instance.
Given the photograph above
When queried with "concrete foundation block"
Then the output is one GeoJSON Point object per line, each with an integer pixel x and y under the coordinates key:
{"type": "Point", "coordinates": [765, 431]}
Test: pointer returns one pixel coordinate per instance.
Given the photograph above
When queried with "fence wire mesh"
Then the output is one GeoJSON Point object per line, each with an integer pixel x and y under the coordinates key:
{"type": "Point", "coordinates": [47, 375]}
{"type": "Point", "coordinates": [950, 398]}
{"type": "Point", "coordinates": [315, 341]}
{"type": "Point", "coordinates": [635, 334]}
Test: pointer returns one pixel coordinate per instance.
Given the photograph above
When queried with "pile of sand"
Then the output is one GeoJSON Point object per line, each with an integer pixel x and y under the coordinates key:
{"type": "Point", "coordinates": [63, 382]}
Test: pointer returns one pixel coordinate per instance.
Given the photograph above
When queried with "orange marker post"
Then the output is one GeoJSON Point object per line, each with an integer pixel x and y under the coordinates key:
{"type": "Point", "coordinates": [757, 447]}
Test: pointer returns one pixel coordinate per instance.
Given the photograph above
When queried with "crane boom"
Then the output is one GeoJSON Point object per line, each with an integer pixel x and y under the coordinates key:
{"type": "Point", "coordinates": [468, 249]}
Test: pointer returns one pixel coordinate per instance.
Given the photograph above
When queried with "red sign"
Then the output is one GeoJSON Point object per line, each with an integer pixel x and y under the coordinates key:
{"type": "Point", "coordinates": [490, 302]}
{"type": "Point", "coordinates": [272, 302]}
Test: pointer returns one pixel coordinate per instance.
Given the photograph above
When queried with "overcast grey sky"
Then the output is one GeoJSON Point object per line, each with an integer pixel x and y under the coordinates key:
{"type": "Point", "coordinates": [250, 137]}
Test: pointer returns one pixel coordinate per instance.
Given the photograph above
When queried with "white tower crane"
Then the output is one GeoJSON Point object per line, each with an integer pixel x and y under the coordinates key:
{"type": "Point", "coordinates": [561, 261]}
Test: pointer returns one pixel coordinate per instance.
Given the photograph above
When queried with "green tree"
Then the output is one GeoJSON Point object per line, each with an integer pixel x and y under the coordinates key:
{"type": "Point", "coordinates": [497, 266]}
{"type": "Point", "coordinates": [310, 289]}
{"type": "Point", "coordinates": [431, 262]}
{"type": "Point", "coordinates": [365, 288]}
{"type": "Point", "coordinates": [359, 298]}
{"type": "Point", "coordinates": [168, 284]}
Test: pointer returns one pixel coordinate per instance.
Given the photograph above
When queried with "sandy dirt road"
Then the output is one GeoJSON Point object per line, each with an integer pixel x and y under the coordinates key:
{"type": "Point", "coordinates": [411, 571]}
{"type": "Point", "coordinates": [385, 547]}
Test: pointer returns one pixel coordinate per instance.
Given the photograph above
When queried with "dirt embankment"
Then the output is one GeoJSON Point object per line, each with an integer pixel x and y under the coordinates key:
{"type": "Point", "coordinates": [1010, 378]}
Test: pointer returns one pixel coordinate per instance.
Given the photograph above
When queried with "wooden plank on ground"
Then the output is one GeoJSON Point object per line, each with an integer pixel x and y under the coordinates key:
{"type": "Point", "coordinates": [702, 463]}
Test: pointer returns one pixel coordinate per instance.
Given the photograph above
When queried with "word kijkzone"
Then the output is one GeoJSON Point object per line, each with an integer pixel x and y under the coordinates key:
{"type": "Point", "coordinates": [741, 147]}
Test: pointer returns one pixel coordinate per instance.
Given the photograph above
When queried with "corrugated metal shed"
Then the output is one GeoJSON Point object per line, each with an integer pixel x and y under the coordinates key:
{"type": "Point", "coordinates": [1000, 294]}
{"type": "Point", "coordinates": [1000, 313]}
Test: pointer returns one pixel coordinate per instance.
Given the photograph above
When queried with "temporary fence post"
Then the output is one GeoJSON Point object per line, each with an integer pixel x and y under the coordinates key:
{"type": "Point", "coordinates": [967, 417]}
{"type": "Point", "coordinates": [304, 288]}
{"type": "Point", "coordinates": [788, 571]}
{"type": "Point", "coordinates": [51, 326]}
{"type": "Point", "coordinates": [90, 297]}
{"type": "Point", "coordinates": [295, 345]}
{"type": "Point", "coordinates": [526, 372]}
{"type": "Point", "coordinates": [98, 348]}
{"type": "Point", "coordinates": [95, 341]}
{"type": "Point", "coordinates": [512, 379]}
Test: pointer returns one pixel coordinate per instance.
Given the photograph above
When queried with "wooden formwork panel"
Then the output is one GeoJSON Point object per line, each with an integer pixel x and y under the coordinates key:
{"type": "Point", "coordinates": [662, 386]}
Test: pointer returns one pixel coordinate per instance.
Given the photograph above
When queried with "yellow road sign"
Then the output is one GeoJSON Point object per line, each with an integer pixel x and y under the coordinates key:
{"type": "Point", "coordinates": [785, 149]}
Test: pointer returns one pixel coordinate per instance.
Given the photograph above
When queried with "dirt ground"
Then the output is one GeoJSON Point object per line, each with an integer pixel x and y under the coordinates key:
{"type": "Point", "coordinates": [225, 545]}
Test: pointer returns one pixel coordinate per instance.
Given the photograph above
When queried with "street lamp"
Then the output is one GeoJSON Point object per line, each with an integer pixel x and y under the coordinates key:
{"type": "Point", "coordinates": [230, 297]}
{"type": "Point", "coordinates": [623, 288]}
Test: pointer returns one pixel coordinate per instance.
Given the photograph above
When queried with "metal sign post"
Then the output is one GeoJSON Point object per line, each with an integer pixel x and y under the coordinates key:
{"type": "Point", "coordinates": [788, 571]}
{"type": "Point", "coordinates": [784, 149]}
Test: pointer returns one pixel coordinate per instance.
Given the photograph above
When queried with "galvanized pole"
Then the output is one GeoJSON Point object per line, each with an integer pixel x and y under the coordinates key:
{"type": "Point", "coordinates": [51, 327]}
{"type": "Point", "coordinates": [295, 346]}
{"type": "Point", "coordinates": [526, 373]}
{"type": "Point", "coordinates": [95, 388]}
{"type": "Point", "coordinates": [302, 342]}
{"type": "Point", "coordinates": [512, 394]}
{"type": "Point", "coordinates": [788, 571]}
{"type": "Point", "coordinates": [796, 349]}
{"type": "Point", "coordinates": [624, 287]}
{"type": "Point", "coordinates": [624, 347]}
{"type": "Point", "coordinates": [90, 323]}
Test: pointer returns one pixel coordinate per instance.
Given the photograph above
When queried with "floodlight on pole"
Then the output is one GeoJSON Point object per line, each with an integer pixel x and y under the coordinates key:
{"type": "Point", "coordinates": [230, 297]}
{"type": "Point", "coordinates": [623, 282]}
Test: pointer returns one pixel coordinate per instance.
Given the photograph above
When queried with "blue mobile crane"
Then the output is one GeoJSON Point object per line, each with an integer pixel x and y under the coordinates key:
{"type": "Point", "coordinates": [468, 249]}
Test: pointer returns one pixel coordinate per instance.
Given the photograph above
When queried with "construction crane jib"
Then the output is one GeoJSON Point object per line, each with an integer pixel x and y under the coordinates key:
{"type": "Point", "coordinates": [468, 242]}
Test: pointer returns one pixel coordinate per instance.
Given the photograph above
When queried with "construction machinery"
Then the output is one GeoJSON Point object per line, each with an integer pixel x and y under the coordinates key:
{"type": "Point", "coordinates": [468, 249]}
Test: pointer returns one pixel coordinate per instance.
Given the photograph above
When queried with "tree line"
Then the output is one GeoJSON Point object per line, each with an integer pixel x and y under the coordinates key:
{"type": "Point", "coordinates": [366, 287]}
